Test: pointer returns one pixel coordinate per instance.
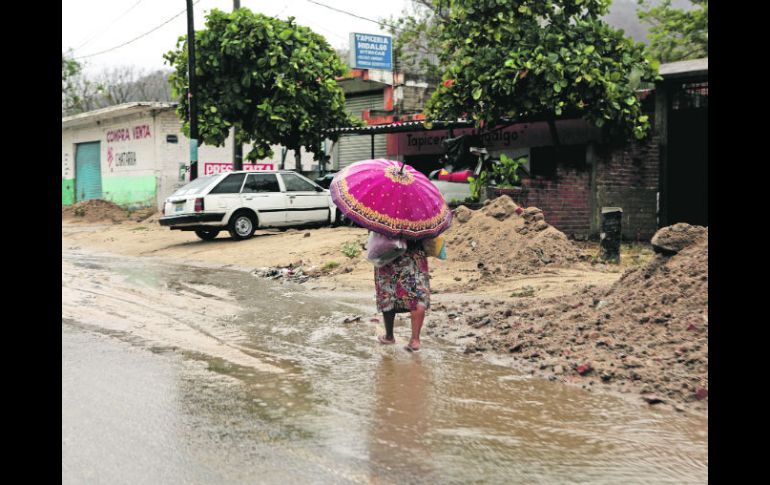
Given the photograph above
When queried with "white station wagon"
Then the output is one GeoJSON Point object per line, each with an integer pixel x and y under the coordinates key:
{"type": "Point", "coordinates": [240, 202]}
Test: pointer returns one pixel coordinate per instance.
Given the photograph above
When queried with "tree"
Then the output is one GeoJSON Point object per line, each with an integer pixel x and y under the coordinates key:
{"type": "Point", "coordinates": [153, 86]}
{"type": "Point", "coordinates": [676, 34]}
{"type": "Point", "coordinates": [70, 69]}
{"type": "Point", "coordinates": [79, 94]}
{"type": "Point", "coordinates": [539, 59]}
{"type": "Point", "coordinates": [122, 84]}
{"type": "Point", "coordinates": [416, 37]}
{"type": "Point", "coordinates": [271, 78]}
{"type": "Point", "coordinates": [119, 84]}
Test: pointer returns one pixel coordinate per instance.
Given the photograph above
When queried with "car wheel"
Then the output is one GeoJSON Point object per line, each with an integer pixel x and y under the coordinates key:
{"type": "Point", "coordinates": [242, 225]}
{"type": "Point", "coordinates": [206, 235]}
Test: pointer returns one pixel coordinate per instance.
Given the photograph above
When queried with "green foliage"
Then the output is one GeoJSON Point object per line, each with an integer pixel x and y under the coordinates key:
{"type": "Point", "coordinates": [416, 35]}
{"type": "Point", "coordinates": [70, 69]}
{"type": "Point", "coordinates": [676, 35]}
{"type": "Point", "coordinates": [543, 58]}
{"type": "Point", "coordinates": [524, 292]}
{"type": "Point", "coordinates": [330, 265]}
{"type": "Point", "coordinates": [271, 78]}
{"type": "Point", "coordinates": [506, 172]}
{"type": "Point", "coordinates": [75, 88]}
{"type": "Point", "coordinates": [477, 184]}
{"type": "Point", "coordinates": [351, 249]}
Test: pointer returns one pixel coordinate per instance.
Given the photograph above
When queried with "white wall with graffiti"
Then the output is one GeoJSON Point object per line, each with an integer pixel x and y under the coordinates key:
{"type": "Point", "coordinates": [144, 157]}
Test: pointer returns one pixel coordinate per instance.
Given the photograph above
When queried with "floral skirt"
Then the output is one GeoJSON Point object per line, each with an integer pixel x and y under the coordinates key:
{"type": "Point", "coordinates": [404, 283]}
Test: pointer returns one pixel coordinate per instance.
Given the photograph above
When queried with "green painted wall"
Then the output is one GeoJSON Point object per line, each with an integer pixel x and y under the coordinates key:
{"type": "Point", "coordinates": [130, 191]}
{"type": "Point", "coordinates": [67, 191]}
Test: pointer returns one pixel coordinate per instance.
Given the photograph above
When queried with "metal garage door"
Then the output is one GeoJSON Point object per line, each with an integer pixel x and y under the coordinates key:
{"type": "Point", "coordinates": [88, 172]}
{"type": "Point", "coordinates": [352, 148]}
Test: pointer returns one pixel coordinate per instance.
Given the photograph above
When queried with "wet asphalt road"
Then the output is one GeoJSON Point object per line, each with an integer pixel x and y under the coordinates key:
{"type": "Point", "coordinates": [178, 374]}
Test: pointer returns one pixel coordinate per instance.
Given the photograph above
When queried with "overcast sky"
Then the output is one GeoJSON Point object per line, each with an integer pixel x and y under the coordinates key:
{"type": "Point", "coordinates": [91, 26]}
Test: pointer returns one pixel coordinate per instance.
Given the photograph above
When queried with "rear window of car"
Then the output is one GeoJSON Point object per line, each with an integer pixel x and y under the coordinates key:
{"type": "Point", "coordinates": [230, 185]}
{"type": "Point", "coordinates": [196, 185]}
{"type": "Point", "coordinates": [296, 184]}
{"type": "Point", "coordinates": [261, 182]}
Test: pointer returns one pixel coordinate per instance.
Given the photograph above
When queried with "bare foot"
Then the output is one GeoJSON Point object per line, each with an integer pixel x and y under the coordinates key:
{"type": "Point", "coordinates": [385, 340]}
{"type": "Point", "coordinates": [413, 346]}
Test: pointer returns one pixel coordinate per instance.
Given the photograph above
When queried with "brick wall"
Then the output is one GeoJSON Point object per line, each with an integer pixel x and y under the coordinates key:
{"type": "Point", "coordinates": [564, 200]}
{"type": "Point", "coordinates": [624, 176]}
{"type": "Point", "coordinates": [627, 177]}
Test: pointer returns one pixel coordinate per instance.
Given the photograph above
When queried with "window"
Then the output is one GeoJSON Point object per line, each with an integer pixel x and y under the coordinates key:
{"type": "Point", "coordinates": [544, 160]}
{"type": "Point", "coordinates": [230, 185]}
{"type": "Point", "coordinates": [296, 184]}
{"type": "Point", "coordinates": [691, 96]}
{"type": "Point", "coordinates": [261, 182]}
{"type": "Point", "coordinates": [196, 185]}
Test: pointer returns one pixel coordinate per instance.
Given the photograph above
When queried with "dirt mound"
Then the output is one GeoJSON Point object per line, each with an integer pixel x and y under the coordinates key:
{"type": "Point", "coordinates": [97, 210]}
{"type": "Point", "coordinates": [669, 289]}
{"type": "Point", "coordinates": [648, 333]}
{"type": "Point", "coordinates": [506, 239]}
{"type": "Point", "coordinates": [672, 239]}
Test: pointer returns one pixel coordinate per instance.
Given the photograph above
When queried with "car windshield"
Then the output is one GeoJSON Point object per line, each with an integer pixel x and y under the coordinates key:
{"type": "Point", "coordinates": [196, 185]}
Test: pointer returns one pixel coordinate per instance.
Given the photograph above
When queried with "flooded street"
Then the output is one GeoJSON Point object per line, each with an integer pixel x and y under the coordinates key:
{"type": "Point", "coordinates": [179, 374]}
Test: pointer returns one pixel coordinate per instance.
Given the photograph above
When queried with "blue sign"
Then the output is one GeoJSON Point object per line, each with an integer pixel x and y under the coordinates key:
{"type": "Point", "coordinates": [371, 51]}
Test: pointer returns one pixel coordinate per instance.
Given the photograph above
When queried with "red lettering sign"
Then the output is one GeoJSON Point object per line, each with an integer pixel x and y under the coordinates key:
{"type": "Point", "coordinates": [141, 132]}
{"type": "Point", "coordinates": [515, 136]}
{"type": "Point", "coordinates": [211, 168]}
{"type": "Point", "coordinates": [121, 134]}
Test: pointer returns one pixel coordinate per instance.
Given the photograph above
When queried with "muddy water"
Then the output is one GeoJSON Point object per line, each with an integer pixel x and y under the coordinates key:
{"type": "Point", "coordinates": [174, 374]}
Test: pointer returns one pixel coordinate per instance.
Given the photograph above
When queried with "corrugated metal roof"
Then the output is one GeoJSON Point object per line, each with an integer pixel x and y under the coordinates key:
{"type": "Point", "coordinates": [692, 67]}
{"type": "Point", "coordinates": [398, 126]}
{"type": "Point", "coordinates": [117, 110]}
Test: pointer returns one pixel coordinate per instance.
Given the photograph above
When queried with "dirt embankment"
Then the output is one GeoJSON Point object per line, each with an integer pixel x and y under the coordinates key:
{"type": "Point", "coordinates": [97, 210]}
{"type": "Point", "coordinates": [647, 333]}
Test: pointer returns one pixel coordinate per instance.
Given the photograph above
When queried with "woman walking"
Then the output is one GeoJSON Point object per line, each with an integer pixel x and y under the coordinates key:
{"type": "Point", "coordinates": [403, 285]}
{"type": "Point", "coordinates": [394, 200]}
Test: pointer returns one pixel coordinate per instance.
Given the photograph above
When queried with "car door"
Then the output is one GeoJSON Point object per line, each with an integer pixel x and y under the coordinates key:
{"type": "Point", "coordinates": [262, 193]}
{"type": "Point", "coordinates": [307, 202]}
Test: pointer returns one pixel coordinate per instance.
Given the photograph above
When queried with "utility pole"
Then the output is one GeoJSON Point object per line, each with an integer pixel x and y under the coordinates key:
{"type": "Point", "coordinates": [193, 102]}
{"type": "Point", "coordinates": [237, 147]}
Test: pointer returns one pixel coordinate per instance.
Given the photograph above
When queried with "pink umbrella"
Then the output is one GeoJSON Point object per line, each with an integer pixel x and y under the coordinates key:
{"type": "Point", "coordinates": [391, 198]}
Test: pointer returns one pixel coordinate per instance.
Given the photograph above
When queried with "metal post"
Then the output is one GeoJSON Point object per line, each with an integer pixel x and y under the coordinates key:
{"type": "Point", "coordinates": [612, 218]}
{"type": "Point", "coordinates": [191, 94]}
{"type": "Point", "coordinates": [237, 147]}
{"type": "Point", "coordinates": [372, 146]}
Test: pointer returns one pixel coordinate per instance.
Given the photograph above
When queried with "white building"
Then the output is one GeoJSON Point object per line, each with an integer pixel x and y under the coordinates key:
{"type": "Point", "coordinates": [135, 155]}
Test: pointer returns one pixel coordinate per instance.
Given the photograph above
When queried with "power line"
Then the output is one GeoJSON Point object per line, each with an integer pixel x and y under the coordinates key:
{"type": "Point", "coordinates": [352, 14]}
{"type": "Point", "coordinates": [109, 25]}
{"type": "Point", "coordinates": [136, 38]}
{"type": "Point", "coordinates": [385, 24]}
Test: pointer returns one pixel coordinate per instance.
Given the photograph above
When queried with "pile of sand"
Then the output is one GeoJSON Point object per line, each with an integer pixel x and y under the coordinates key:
{"type": "Point", "coordinates": [506, 239]}
{"type": "Point", "coordinates": [97, 210]}
{"type": "Point", "coordinates": [673, 287]}
{"type": "Point", "coordinates": [647, 334]}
